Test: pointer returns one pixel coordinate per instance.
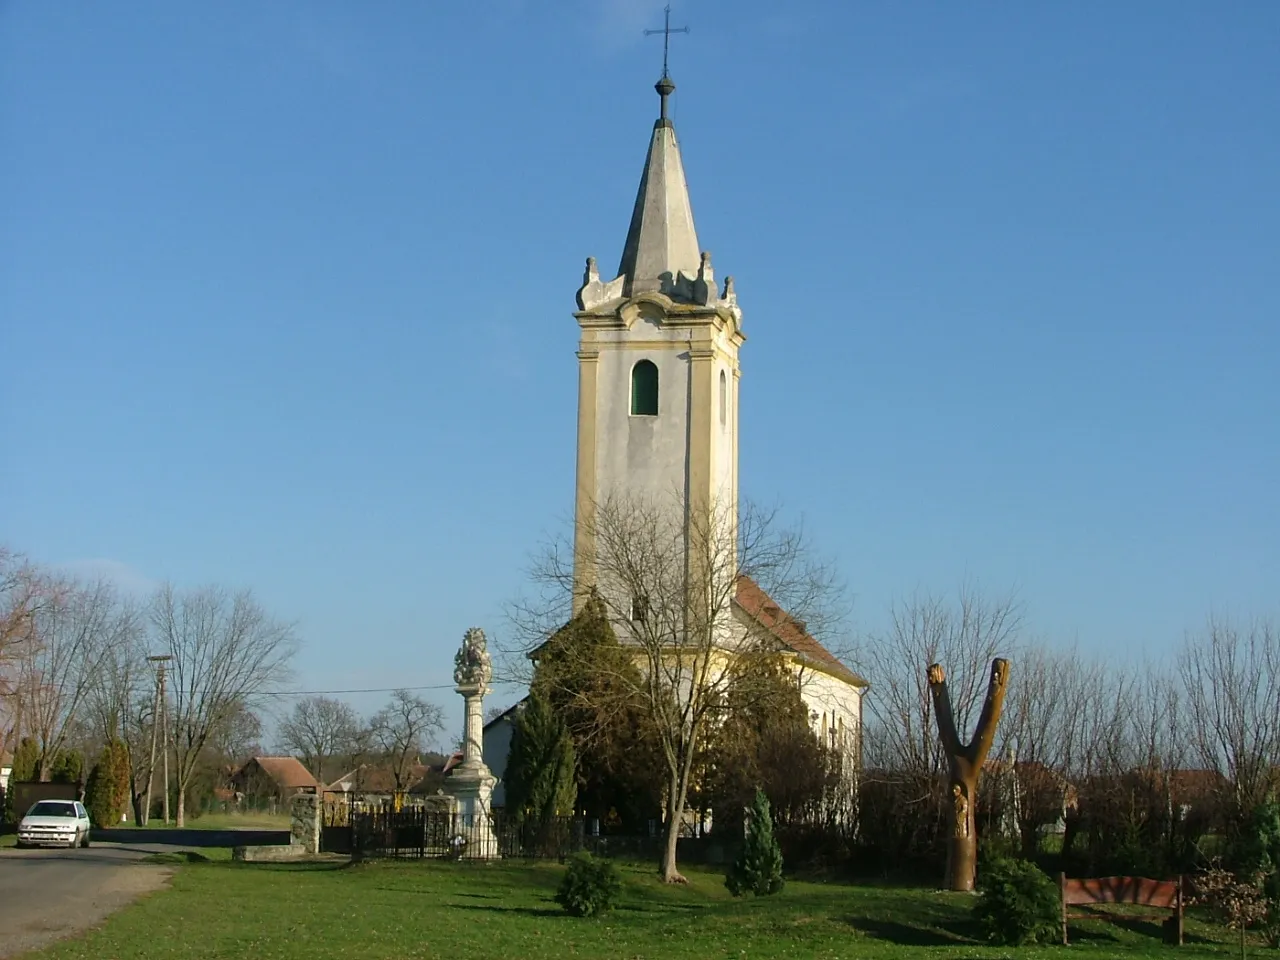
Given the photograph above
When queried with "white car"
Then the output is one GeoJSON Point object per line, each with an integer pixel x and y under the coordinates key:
{"type": "Point", "coordinates": [61, 823]}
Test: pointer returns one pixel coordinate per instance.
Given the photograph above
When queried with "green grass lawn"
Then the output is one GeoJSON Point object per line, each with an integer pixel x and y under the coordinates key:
{"type": "Point", "coordinates": [224, 821]}
{"type": "Point", "coordinates": [220, 909]}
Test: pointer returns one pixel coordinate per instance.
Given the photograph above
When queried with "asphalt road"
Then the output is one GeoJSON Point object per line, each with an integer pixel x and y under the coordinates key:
{"type": "Point", "coordinates": [49, 894]}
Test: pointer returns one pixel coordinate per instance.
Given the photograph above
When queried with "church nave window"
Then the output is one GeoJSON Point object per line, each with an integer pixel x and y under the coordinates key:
{"type": "Point", "coordinates": [644, 389]}
{"type": "Point", "coordinates": [639, 608]}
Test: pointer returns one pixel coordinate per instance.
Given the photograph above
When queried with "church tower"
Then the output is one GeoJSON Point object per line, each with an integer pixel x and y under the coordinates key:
{"type": "Point", "coordinates": [657, 363]}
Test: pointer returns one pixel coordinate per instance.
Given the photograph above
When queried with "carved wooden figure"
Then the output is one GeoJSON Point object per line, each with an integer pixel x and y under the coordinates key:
{"type": "Point", "coordinates": [965, 765]}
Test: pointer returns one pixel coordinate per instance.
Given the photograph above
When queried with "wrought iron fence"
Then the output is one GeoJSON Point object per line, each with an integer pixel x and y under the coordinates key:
{"type": "Point", "coordinates": [382, 827]}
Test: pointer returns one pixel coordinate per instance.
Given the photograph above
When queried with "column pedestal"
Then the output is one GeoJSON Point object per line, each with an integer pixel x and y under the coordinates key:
{"type": "Point", "coordinates": [471, 783]}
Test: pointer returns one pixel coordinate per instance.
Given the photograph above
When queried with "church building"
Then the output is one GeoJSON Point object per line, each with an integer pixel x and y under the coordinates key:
{"type": "Point", "coordinates": [658, 392]}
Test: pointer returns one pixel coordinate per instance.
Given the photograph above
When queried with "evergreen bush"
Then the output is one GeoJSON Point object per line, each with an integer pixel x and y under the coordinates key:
{"type": "Point", "coordinates": [541, 767]}
{"type": "Point", "coordinates": [25, 761]}
{"type": "Point", "coordinates": [68, 767]}
{"type": "Point", "coordinates": [758, 868]}
{"type": "Point", "coordinates": [107, 791]}
{"type": "Point", "coordinates": [1018, 903]}
{"type": "Point", "coordinates": [590, 886]}
{"type": "Point", "coordinates": [1263, 860]}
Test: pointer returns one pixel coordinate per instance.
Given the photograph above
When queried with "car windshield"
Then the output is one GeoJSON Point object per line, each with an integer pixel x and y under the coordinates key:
{"type": "Point", "coordinates": [52, 808]}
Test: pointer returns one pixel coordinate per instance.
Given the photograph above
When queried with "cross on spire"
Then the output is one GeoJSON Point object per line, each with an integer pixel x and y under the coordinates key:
{"type": "Point", "coordinates": [665, 87]}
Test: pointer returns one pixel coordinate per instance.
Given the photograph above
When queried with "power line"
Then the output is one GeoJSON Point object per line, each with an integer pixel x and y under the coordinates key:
{"type": "Point", "coordinates": [319, 693]}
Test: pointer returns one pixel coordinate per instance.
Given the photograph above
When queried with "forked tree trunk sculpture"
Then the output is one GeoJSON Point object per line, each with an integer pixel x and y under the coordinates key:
{"type": "Point", "coordinates": [965, 762]}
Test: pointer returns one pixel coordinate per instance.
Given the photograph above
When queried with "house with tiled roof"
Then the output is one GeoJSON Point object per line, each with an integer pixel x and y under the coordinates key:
{"type": "Point", "coordinates": [272, 780]}
{"type": "Point", "coordinates": [377, 780]}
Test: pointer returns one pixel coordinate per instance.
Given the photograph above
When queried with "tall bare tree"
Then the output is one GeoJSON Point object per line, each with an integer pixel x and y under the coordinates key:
{"type": "Point", "coordinates": [1040, 736]}
{"type": "Point", "coordinates": [121, 677]}
{"type": "Point", "coordinates": [74, 631]}
{"type": "Point", "coordinates": [904, 783]}
{"type": "Point", "coordinates": [227, 651]}
{"type": "Point", "coordinates": [668, 573]}
{"type": "Point", "coordinates": [23, 590]}
{"type": "Point", "coordinates": [317, 729]}
{"type": "Point", "coordinates": [402, 730]}
{"type": "Point", "coordinates": [1231, 674]}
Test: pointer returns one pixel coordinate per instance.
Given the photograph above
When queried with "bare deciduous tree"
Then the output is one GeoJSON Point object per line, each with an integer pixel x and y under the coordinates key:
{"type": "Point", "coordinates": [23, 590]}
{"type": "Point", "coordinates": [121, 677]}
{"type": "Point", "coordinates": [235, 741]}
{"type": "Point", "coordinates": [227, 651]}
{"type": "Point", "coordinates": [120, 702]}
{"type": "Point", "coordinates": [74, 630]}
{"type": "Point", "coordinates": [669, 574]}
{"type": "Point", "coordinates": [317, 729]}
{"type": "Point", "coordinates": [1231, 675]}
{"type": "Point", "coordinates": [1041, 733]}
{"type": "Point", "coordinates": [402, 730]}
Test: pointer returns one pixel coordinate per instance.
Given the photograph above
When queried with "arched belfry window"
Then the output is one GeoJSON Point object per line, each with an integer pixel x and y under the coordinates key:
{"type": "Point", "coordinates": [724, 398]}
{"type": "Point", "coordinates": [644, 389]}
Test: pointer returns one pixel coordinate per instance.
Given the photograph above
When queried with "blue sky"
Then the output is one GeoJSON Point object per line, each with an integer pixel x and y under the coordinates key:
{"type": "Point", "coordinates": [285, 296]}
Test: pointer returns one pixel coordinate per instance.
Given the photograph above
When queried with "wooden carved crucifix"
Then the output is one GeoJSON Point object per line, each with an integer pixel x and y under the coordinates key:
{"type": "Point", "coordinates": [964, 767]}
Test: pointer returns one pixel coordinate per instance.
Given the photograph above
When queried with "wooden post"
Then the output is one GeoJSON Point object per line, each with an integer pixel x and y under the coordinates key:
{"type": "Point", "coordinates": [1179, 909]}
{"type": "Point", "coordinates": [1062, 896]}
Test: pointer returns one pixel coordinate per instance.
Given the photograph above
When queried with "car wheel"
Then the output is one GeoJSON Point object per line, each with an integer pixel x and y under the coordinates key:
{"type": "Point", "coordinates": [18, 844]}
{"type": "Point", "coordinates": [85, 842]}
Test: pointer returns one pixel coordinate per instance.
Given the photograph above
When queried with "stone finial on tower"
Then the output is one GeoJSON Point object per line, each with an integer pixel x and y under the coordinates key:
{"type": "Point", "coordinates": [704, 286]}
{"type": "Point", "coordinates": [593, 292]}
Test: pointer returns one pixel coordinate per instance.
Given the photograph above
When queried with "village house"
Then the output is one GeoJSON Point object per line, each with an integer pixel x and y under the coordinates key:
{"type": "Point", "coordinates": [270, 782]}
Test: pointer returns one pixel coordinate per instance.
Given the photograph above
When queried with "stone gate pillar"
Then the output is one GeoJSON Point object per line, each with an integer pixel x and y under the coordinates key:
{"type": "Point", "coordinates": [304, 826]}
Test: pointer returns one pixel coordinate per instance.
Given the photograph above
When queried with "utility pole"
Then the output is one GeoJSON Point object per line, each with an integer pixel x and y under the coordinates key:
{"type": "Point", "coordinates": [159, 715]}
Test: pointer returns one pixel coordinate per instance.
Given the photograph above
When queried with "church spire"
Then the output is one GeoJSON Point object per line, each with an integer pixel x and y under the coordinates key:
{"type": "Point", "coordinates": [661, 242]}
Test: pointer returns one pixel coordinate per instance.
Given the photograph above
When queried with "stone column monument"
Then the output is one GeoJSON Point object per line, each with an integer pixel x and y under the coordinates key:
{"type": "Point", "coordinates": [471, 783]}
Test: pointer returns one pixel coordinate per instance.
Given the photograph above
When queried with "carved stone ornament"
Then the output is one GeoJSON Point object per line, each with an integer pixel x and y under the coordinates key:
{"type": "Point", "coordinates": [471, 665]}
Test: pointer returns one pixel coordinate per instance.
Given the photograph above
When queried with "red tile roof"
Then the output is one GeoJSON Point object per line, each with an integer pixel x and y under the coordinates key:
{"type": "Point", "coordinates": [762, 608]}
{"type": "Point", "coordinates": [286, 771]}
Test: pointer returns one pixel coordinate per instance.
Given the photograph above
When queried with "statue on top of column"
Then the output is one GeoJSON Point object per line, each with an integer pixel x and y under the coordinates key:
{"type": "Point", "coordinates": [471, 664]}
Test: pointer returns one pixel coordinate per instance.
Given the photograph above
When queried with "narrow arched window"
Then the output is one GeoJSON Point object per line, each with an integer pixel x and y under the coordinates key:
{"type": "Point", "coordinates": [644, 389]}
{"type": "Point", "coordinates": [724, 398]}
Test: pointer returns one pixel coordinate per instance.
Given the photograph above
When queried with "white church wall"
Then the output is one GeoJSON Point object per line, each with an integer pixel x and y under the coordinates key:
{"type": "Point", "coordinates": [496, 748]}
{"type": "Point", "coordinates": [833, 705]}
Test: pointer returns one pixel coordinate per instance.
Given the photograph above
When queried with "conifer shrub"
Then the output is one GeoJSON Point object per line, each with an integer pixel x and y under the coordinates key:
{"type": "Point", "coordinates": [26, 760]}
{"type": "Point", "coordinates": [1018, 903]}
{"type": "Point", "coordinates": [541, 767]}
{"type": "Point", "coordinates": [590, 886]}
{"type": "Point", "coordinates": [758, 869]}
{"type": "Point", "coordinates": [107, 790]}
